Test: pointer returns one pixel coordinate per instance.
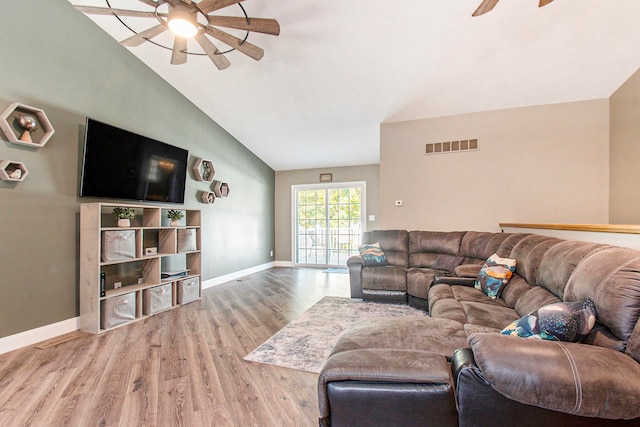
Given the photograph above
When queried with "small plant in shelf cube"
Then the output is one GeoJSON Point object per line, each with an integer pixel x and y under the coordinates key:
{"type": "Point", "coordinates": [124, 216]}
{"type": "Point", "coordinates": [175, 216]}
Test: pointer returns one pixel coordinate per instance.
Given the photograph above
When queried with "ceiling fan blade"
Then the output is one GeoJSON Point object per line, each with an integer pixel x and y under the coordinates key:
{"type": "Point", "coordinates": [111, 11]}
{"type": "Point", "coordinates": [247, 48]}
{"type": "Point", "coordinates": [179, 53]}
{"type": "Point", "coordinates": [152, 3]}
{"type": "Point", "coordinates": [485, 6]}
{"type": "Point", "coordinates": [544, 2]}
{"type": "Point", "coordinates": [214, 54]}
{"type": "Point", "coordinates": [138, 39]}
{"type": "Point", "coordinates": [207, 6]}
{"type": "Point", "coordinates": [259, 25]}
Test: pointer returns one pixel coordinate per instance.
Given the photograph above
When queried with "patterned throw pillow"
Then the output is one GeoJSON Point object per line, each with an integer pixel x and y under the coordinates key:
{"type": "Point", "coordinates": [372, 254]}
{"type": "Point", "coordinates": [560, 321]}
{"type": "Point", "coordinates": [494, 275]}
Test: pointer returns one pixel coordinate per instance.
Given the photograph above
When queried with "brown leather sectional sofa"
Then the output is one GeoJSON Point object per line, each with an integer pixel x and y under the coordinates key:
{"type": "Point", "coordinates": [455, 368]}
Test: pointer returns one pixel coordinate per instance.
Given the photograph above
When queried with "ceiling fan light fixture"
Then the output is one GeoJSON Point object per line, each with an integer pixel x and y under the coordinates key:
{"type": "Point", "coordinates": [182, 21]}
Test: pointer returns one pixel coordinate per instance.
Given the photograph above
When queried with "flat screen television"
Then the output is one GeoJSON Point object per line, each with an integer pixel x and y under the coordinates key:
{"type": "Point", "coordinates": [118, 164]}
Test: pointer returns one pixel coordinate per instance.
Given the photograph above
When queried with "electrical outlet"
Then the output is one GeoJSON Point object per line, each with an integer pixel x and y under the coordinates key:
{"type": "Point", "coordinates": [117, 285]}
{"type": "Point", "coordinates": [271, 253]}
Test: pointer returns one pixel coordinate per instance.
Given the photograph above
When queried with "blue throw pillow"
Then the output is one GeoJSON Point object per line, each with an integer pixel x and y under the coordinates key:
{"type": "Point", "coordinates": [560, 321]}
{"type": "Point", "coordinates": [494, 275]}
{"type": "Point", "coordinates": [372, 254]}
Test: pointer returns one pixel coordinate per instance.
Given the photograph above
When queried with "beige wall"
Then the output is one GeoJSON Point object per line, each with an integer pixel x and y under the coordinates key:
{"type": "Point", "coordinates": [535, 164]}
{"type": "Point", "coordinates": [624, 203]}
{"type": "Point", "coordinates": [284, 181]}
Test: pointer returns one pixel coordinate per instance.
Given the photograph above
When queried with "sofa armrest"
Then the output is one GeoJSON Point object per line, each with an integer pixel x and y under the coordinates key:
{"type": "Point", "coordinates": [573, 378]}
{"type": "Point", "coordinates": [468, 270]}
{"type": "Point", "coordinates": [355, 261]}
{"type": "Point", "coordinates": [355, 264]}
{"type": "Point", "coordinates": [453, 280]}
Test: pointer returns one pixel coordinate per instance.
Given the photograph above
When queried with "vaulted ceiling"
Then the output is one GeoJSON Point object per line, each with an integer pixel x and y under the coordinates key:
{"type": "Point", "coordinates": [340, 68]}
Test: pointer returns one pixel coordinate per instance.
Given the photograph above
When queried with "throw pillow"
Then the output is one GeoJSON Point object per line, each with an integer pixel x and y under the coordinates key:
{"type": "Point", "coordinates": [560, 321]}
{"type": "Point", "coordinates": [372, 254]}
{"type": "Point", "coordinates": [494, 275]}
{"type": "Point", "coordinates": [447, 262]}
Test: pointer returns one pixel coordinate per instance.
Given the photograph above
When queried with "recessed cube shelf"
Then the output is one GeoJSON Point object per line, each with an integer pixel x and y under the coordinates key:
{"type": "Point", "coordinates": [221, 189]}
{"type": "Point", "coordinates": [204, 170]}
{"type": "Point", "coordinates": [25, 125]}
{"type": "Point", "coordinates": [10, 170]}
{"type": "Point", "coordinates": [208, 197]}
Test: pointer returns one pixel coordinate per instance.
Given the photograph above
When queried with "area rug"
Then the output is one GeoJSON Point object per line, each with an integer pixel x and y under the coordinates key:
{"type": "Point", "coordinates": [305, 343]}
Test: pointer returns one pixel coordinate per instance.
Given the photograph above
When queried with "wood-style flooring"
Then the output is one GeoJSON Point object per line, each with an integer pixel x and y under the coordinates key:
{"type": "Point", "coordinates": [183, 367]}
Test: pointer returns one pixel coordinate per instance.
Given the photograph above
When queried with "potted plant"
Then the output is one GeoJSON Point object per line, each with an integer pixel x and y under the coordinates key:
{"type": "Point", "coordinates": [124, 216]}
{"type": "Point", "coordinates": [175, 216]}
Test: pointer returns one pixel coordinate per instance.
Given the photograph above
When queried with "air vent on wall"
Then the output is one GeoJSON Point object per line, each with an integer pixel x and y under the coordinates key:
{"type": "Point", "coordinates": [452, 146]}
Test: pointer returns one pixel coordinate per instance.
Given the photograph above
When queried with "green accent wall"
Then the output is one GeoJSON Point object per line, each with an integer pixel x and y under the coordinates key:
{"type": "Point", "coordinates": [56, 59]}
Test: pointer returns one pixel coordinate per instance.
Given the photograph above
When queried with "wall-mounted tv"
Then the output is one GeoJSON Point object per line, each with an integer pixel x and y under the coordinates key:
{"type": "Point", "coordinates": [118, 164]}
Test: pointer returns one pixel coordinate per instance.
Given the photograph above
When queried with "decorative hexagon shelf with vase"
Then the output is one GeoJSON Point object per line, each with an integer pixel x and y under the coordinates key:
{"type": "Point", "coordinates": [208, 197]}
{"type": "Point", "coordinates": [204, 170]}
{"type": "Point", "coordinates": [10, 170]}
{"type": "Point", "coordinates": [25, 125]}
{"type": "Point", "coordinates": [221, 189]}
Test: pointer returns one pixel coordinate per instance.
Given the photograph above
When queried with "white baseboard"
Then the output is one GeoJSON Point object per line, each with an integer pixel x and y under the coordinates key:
{"type": "Point", "coordinates": [283, 264]}
{"type": "Point", "coordinates": [43, 333]}
{"type": "Point", "coordinates": [236, 275]}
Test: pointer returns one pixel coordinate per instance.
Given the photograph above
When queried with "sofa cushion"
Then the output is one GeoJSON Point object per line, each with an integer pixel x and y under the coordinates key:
{"type": "Point", "coordinates": [425, 246]}
{"type": "Point", "coordinates": [529, 252]}
{"type": "Point", "coordinates": [419, 280]}
{"type": "Point", "coordinates": [440, 336]}
{"type": "Point", "coordinates": [468, 293]}
{"type": "Point", "coordinates": [533, 299]}
{"type": "Point", "coordinates": [516, 287]}
{"type": "Point", "coordinates": [495, 274]}
{"type": "Point", "coordinates": [447, 262]}
{"type": "Point", "coordinates": [394, 243]}
{"type": "Point", "coordinates": [384, 278]}
{"type": "Point", "coordinates": [372, 254]}
{"type": "Point", "coordinates": [561, 321]}
{"type": "Point", "coordinates": [610, 277]}
{"type": "Point", "coordinates": [488, 315]}
{"type": "Point", "coordinates": [558, 263]}
{"type": "Point", "coordinates": [468, 270]}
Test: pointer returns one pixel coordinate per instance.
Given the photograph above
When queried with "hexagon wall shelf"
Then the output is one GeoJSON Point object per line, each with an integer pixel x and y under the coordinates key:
{"type": "Point", "coordinates": [204, 170]}
{"type": "Point", "coordinates": [17, 134]}
{"type": "Point", "coordinates": [221, 189]}
{"type": "Point", "coordinates": [208, 197]}
{"type": "Point", "coordinates": [10, 170]}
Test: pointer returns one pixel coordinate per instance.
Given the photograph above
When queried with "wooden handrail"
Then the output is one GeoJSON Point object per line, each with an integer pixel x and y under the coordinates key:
{"type": "Point", "coordinates": [602, 228]}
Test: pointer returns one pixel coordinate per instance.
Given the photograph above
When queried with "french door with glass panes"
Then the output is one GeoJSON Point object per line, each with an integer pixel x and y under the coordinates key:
{"type": "Point", "coordinates": [328, 222]}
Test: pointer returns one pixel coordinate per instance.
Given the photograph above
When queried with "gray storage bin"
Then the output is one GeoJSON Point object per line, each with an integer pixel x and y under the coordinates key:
{"type": "Point", "coordinates": [188, 290]}
{"type": "Point", "coordinates": [186, 240]}
{"type": "Point", "coordinates": [156, 299]}
{"type": "Point", "coordinates": [118, 244]}
{"type": "Point", "coordinates": [117, 310]}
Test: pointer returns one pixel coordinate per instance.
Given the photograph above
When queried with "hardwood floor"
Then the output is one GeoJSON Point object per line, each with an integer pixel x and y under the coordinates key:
{"type": "Point", "coordinates": [183, 367]}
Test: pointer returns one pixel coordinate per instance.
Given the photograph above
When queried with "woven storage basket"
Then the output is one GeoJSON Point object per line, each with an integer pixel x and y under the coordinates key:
{"type": "Point", "coordinates": [156, 299]}
{"type": "Point", "coordinates": [117, 245]}
{"type": "Point", "coordinates": [117, 310]}
{"type": "Point", "coordinates": [188, 290]}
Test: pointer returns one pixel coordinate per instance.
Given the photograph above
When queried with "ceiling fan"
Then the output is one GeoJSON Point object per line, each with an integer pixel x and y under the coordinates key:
{"type": "Point", "coordinates": [488, 5]}
{"type": "Point", "coordinates": [190, 19]}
